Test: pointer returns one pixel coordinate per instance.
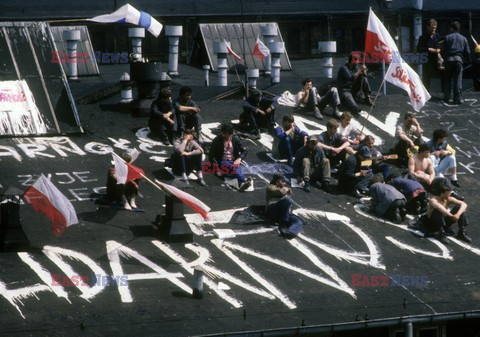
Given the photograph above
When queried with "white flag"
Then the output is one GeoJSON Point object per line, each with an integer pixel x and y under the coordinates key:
{"type": "Point", "coordinates": [403, 76]}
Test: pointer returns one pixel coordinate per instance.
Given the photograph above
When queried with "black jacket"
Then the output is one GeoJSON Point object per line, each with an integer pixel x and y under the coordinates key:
{"type": "Point", "coordinates": [216, 150]}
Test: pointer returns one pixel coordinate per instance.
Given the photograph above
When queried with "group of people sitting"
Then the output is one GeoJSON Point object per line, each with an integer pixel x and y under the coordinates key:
{"type": "Point", "coordinates": [352, 85]}
{"type": "Point", "coordinates": [343, 151]}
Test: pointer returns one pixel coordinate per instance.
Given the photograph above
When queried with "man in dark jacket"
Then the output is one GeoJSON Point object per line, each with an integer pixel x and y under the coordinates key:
{"type": "Point", "coordinates": [350, 81]}
{"type": "Point", "coordinates": [226, 154]}
{"type": "Point", "coordinates": [428, 43]}
{"type": "Point", "coordinates": [162, 122]}
{"type": "Point", "coordinates": [455, 51]}
{"type": "Point", "coordinates": [353, 178]}
{"type": "Point", "coordinates": [258, 111]}
{"type": "Point", "coordinates": [311, 165]}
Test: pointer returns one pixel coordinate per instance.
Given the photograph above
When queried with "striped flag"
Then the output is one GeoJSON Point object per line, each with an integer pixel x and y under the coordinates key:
{"type": "Point", "coordinates": [126, 172]}
{"type": "Point", "coordinates": [378, 42]}
{"type": "Point", "coordinates": [187, 199]}
{"type": "Point", "coordinates": [129, 14]}
{"type": "Point", "coordinates": [231, 52]}
{"type": "Point", "coordinates": [260, 51]}
{"type": "Point", "coordinates": [47, 199]}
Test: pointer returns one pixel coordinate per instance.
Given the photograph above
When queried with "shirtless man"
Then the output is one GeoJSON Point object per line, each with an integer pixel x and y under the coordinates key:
{"type": "Point", "coordinates": [420, 166]}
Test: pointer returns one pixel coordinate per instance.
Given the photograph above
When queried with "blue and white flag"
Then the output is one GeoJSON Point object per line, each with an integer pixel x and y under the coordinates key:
{"type": "Point", "coordinates": [129, 14]}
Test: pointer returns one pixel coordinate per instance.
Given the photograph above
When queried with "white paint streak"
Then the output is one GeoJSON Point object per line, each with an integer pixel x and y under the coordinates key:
{"type": "Point", "coordinates": [17, 295]}
{"type": "Point", "coordinates": [115, 249]}
{"type": "Point", "coordinates": [374, 252]}
{"type": "Point", "coordinates": [445, 252]}
{"type": "Point", "coordinates": [444, 255]}
{"type": "Point", "coordinates": [256, 276]}
{"type": "Point", "coordinates": [188, 267]}
{"type": "Point", "coordinates": [338, 284]}
{"type": "Point", "coordinates": [390, 122]}
{"type": "Point", "coordinates": [462, 244]}
{"type": "Point", "coordinates": [44, 275]}
{"type": "Point", "coordinates": [54, 253]}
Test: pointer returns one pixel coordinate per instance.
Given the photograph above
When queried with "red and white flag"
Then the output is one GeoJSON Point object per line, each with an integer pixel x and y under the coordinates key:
{"type": "Point", "coordinates": [260, 51]}
{"type": "Point", "coordinates": [188, 199]}
{"type": "Point", "coordinates": [378, 42]}
{"type": "Point", "coordinates": [231, 52]}
{"type": "Point", "coordinates": [125, 171]}
{"type": "Point", "coordinates": [403, 76]}
{"type": "Point", "coordinates": [47, 199]}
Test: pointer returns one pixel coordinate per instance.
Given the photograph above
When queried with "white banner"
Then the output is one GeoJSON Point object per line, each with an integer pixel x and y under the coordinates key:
{"type": "Point", "coordinates": [403, 76]}
{"type": "Point", "coordinates": [18, 113]}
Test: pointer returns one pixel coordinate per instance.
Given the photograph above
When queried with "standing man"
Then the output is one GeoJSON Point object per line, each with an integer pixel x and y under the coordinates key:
{"type": "Point", "coordinates": [455, 51]}
{"type": "Point", "coordinates": [309, 100]}
{"type": "Point", "coordinates": [350, 81]}
{"type": "Point", "coordinates": [311, 165]}
{"type": "Point", "coordinates": [188, 113]}
{"type": "Point", "coordinates": [428, 43]}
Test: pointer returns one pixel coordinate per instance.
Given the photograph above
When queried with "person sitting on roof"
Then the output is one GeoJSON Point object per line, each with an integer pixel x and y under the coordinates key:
{"type": "Point", "coordinates": [350, 82]}
{"type": "Point", "coordinates": [226, 153]}
{"type": "Point", "coordinates": [187, 157]}
{"type": "Point", "coordinates": [440, 218]}
{"type": "Point", "coordinates": [258, 111]}
{"type": "Point", "coordinates": [162, 122]}
{"type": "Point", "coordinates": [188, 113]}
{"type": "Point", "coordinates": [278, 207]}
{"type": "Point", "coordinates": [288, 139]}
{"type": "Point", "coordinates": [120, 194]}
{"type": "Point", "coordinates": [309, 99]}
{"type": "Point", "coordinates": [353, 176]}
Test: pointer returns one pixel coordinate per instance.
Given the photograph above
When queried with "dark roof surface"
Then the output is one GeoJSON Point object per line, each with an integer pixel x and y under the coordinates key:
{"type": "Point", "coordinates": [262, 281]}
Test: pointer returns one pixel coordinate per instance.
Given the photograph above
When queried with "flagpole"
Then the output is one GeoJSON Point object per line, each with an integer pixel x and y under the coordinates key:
{"type": "Point", "coordinates": [244, 51]}
{"type": "Point", "coordinates": [374, 100]}
{"type": "Point", "coordinates": [67, 20]}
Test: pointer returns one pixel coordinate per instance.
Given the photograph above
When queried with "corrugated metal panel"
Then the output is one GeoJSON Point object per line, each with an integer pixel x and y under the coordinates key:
{"type": "Point", "coordinates": [26, 53]}
{"type": "Point", "coordinates": [88, 68]}
{"type": "Point", "coordinates": [234, 33]}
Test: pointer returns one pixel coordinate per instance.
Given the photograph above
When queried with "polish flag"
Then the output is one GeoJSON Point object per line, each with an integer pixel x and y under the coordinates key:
{"type": "Point", "coordinates": [231, 52]}
{"type": "Point", "coordinates": [378, 42]}
{"type": "Point", "coordinates": [47, 199]}
{"type": "Point", "coordinates": [260, 51]}
{"type": "Point", "coordinates": [403, 76]}
{"type": "Point", "coordinates": [186, 198]}
{"type": "Point", "coordinates": [126, 172]}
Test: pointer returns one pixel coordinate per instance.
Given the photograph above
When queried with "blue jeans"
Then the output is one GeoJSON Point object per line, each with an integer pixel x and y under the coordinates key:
{"type": "Point", "coordinates": [234, 171]}
{"type": "Point", "coordinates": [280, 212]}
{"type": "Point", "coordinates": [453, 73]}
{"type": "Point", "coordinates": [287, 147]}
{"type": "Point", "coordinates": [186, 164]}
{"type": "Point", "coordinates": [443, 165]}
